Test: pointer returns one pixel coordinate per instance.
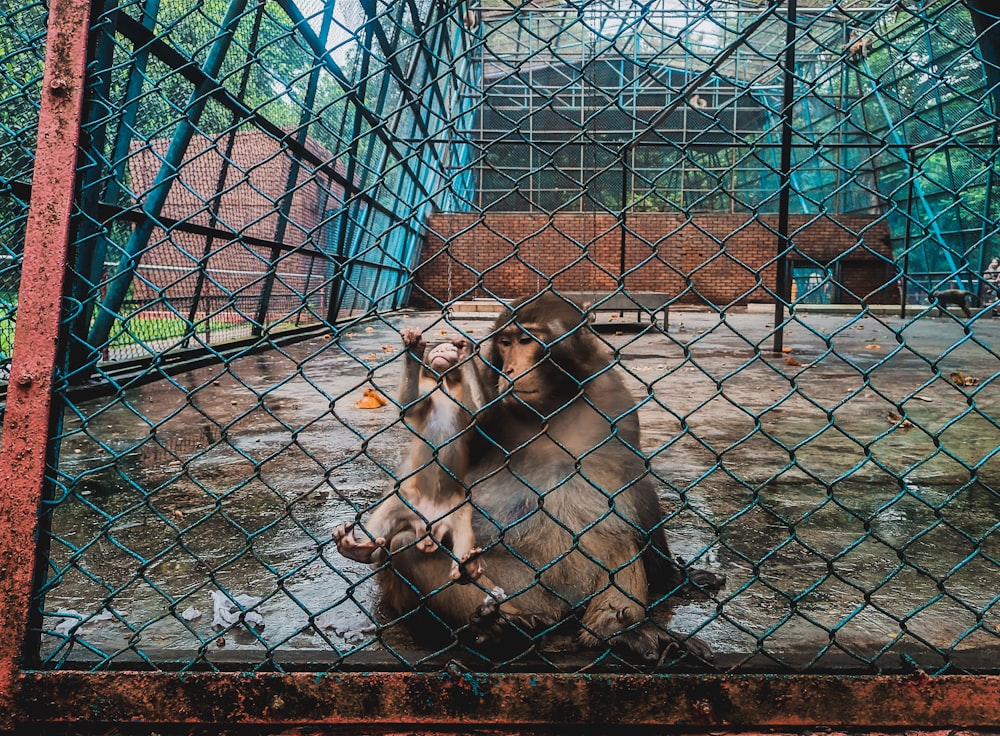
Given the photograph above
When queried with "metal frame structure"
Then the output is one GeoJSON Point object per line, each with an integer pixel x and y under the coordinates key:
{"type": "Point", "coordinates": [449, 699]}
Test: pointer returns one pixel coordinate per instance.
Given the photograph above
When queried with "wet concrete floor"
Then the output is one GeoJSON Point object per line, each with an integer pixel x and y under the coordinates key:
{"type": "Point", "coordinates": [849, 489]}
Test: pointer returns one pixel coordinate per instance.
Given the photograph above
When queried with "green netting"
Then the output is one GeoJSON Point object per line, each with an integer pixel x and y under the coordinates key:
{"type": "Point", "coordinates": [269, 192]}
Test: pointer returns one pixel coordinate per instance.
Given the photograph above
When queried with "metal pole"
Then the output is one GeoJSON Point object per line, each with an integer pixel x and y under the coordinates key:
{"type": "Point", "coordinates": [986, 21]}
{"type": "Point", "coordinates": [907, 231]}
{"type": "Point", "coordinates": [681, 98]}
{"type": "Point", "coordinates": [90, 240]}
{"type": "Point", "coordinates": [783, 285]}
{"type": "Point", "coordinates": [29, 413]}
{"type": "Point", "coordinates": [285, 211]}
{"type": "Point", "coordinates": [215, 203]}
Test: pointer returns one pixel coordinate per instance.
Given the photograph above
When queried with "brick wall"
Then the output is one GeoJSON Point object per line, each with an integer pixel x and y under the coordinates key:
{"type": "Point", "coordinates": [249, 206]}
{"type": "Point", "coordinates": [719, 258]}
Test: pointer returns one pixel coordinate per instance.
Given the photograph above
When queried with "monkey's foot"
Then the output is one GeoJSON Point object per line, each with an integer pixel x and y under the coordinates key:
{"type": "Point", "coordinates": [497, 624]}
{"type": "Point", "coordinates": [698, 580]}
{"type": "Point", "coordinates": [468, 567]}
{"type": "Point", "coordinates": [349, 546]}
{"type": "Point", "coordinates": [651, 644]}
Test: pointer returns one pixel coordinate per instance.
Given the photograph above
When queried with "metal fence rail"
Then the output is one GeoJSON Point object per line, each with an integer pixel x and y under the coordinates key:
{"type": "Point", "coordinates": [216, 220]}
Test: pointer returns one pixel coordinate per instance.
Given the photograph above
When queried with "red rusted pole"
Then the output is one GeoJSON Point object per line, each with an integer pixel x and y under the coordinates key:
{"type": "Point", "coordinates": [385, 702]}
{"type": "Point", "coordinates": [43, 272]}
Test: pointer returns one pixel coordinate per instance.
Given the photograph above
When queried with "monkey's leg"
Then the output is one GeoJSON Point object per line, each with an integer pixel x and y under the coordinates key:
{"type": "Point", "coordinates": [429, 573]}
{"type": "Point", "coordinates": [620, 605]}
{"type": "Point", "coordinates": [617, 617]}
{"type": "Point", "coordinates": [467, 564]}
{"type": "Point", "coordinates": [479, 608]}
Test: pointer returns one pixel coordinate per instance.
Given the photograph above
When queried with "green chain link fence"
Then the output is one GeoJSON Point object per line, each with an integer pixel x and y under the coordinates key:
{"type": "Point", "coordinates": [269, 191]}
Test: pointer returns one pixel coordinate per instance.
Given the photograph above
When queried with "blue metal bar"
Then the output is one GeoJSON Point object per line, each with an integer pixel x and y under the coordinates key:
{"type": "Point", "coordinates": [899, 141]}
{"type": "Point", "coordinates": [90, 263]}
{"type": "Point", "coordinates": [354, 93]}
{"type": "Point", "coordinates": [291, 180]}
{"type": "Point", "coordinates": [224, 168]}
{"type": "Point", "coordinates": [90, 242]}
{"type": "Point", "coordinates": [986, 21]}
{"type": "Point", "coordinates": [119, 284]}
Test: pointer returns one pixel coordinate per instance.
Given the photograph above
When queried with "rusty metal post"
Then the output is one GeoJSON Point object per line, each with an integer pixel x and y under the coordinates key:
{"type": "Point", "coordinates": [43, 273]}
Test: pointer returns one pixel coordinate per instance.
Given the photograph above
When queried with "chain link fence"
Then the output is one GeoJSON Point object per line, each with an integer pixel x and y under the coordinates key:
{"type": "Point", "coordinates": [268, 193]}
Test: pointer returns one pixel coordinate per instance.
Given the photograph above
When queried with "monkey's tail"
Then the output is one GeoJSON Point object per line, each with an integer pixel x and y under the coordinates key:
{"type": "Point", "coordinates": [667, 574]}
{"type": "Point", "coordinates": [663, 572]}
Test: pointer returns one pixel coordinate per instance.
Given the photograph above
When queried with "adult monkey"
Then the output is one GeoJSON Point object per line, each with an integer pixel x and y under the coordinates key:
{"type": "Point", "coordinates": [563, 508]}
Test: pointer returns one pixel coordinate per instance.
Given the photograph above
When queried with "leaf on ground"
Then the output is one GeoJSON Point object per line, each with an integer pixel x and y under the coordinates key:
{"type": "Point", "coordinates": [904, 424]}
{"type": "Point", "coordinates": [961, 379]}
{"type": "Point", "coordinates": [371, 399]}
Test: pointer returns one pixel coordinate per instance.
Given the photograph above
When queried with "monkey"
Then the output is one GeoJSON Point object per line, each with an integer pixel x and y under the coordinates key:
{"type": "Point", "coordinates": [568, 520]}
{"type": "Point", "coordinates": [439, 396]}
{"type": "Point", "coordinates": [956, 297]}
{"type": "Point", "coordinates": [860, 46]}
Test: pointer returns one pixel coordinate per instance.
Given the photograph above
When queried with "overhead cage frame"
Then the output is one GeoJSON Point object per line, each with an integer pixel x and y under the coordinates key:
{"type": "Point", "coordinates": [448, 700]}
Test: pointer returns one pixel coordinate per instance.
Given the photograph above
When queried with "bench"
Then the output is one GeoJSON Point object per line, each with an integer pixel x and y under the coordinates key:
{"type": "Point", "coordinates": [642, 302]}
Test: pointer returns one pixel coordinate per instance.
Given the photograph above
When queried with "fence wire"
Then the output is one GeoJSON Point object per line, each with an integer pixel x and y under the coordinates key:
{"type": "Point", "coordinates": [271, 191]}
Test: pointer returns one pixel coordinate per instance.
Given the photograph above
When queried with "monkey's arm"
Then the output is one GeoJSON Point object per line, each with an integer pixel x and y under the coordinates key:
{"type": "Point", "coordinates": [474, 393]}
{"type": "Point", "coordinates": [415, 346]}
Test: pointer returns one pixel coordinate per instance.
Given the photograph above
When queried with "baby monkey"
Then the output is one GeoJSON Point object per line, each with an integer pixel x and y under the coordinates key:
{"type": "Point", "coordinates": [439, 397]}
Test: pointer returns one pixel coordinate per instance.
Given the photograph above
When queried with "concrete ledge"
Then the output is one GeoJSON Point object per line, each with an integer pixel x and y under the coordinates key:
{"type": "Point", "coordinates": [590, 302]}
{"type": "Point", "coordinates": [642, 302]}
{"type": "Point", "coordinates": [890, 310]}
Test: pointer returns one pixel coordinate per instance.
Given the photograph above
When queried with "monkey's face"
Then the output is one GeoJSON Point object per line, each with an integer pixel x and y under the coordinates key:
{"type": "Point", "coordinates": [442, 357]}
{"type": "Point", "coordinates": [525, 363]}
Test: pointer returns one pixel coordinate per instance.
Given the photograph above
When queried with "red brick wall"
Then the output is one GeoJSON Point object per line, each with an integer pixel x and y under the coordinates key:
{"type": "Point", "coordinates": [721, 258]}
{"type": "Point", "coordinates": [248, 208]}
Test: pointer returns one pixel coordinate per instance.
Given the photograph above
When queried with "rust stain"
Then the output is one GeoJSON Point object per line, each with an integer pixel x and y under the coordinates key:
{"type": "Point", "coordinates": [510, 702]}
{"type": "Point", "coordinates": [27, 414]}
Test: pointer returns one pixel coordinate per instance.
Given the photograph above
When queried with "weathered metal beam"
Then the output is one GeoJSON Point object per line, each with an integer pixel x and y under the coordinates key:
{"type": "Point", "coordinates": [381, 701]}
{"type": "Point", "coordinates": [27, 416]}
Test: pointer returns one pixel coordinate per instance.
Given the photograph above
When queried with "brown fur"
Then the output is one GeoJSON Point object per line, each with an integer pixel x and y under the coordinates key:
{"type": "Point", "coordinates": [563, 507]}
{"type": "Point", "coordinates": [439, 396]}
{"type": "Point", "coordinates": [954, 297]}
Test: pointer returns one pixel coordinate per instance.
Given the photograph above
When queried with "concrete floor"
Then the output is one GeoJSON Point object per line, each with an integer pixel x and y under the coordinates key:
{"type": "Point", "coordinates": [848, 489]}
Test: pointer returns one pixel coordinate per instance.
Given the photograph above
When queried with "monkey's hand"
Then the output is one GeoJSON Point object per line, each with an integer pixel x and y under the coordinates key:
{"type": "Point", "coordinates": [352, 548]}
{"type": "Point", "coordinates": [464, 348]}
{"type": "Point", "coordinates": [413, 340]}
{"type": "Point", "coordinates": [497, 624]}
{"type": "Point", "coordinates": [468, 567]}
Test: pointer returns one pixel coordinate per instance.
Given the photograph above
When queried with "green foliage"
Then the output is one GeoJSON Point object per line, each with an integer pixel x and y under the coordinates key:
{"type": "Point", "coordinates": [142, 330]}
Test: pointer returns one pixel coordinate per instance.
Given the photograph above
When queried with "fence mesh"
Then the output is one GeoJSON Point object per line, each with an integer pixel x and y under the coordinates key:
{"type": "Point", "coordinates": [269, 192]}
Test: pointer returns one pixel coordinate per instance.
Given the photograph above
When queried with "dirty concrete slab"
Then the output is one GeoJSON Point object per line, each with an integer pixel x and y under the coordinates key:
{"type": "Point", "coordinates": [847, 488]}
